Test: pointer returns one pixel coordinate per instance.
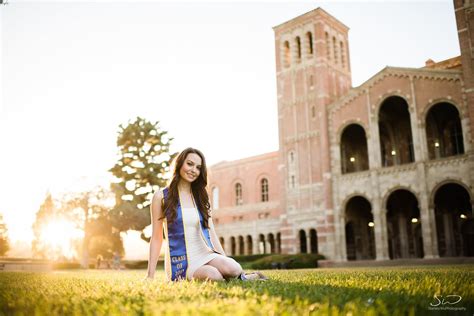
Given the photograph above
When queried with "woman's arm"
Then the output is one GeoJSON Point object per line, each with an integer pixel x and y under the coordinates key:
{"type": "Point", "coordinates": [214, 239]}
{"type": "Point", "coordinates": [157, 235]}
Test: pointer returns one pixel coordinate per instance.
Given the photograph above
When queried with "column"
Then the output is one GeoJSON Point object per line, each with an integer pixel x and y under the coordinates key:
{"type": "Point", "coordinates": [308, 242]}
{"type": "Point", "coordinates": [428, 224]}
{"type": "Point", "coordinates": [403, 236]}
{"type": "Point", "coordinates": [380, 231]}
{"type": "Point", "coordinates": [255, 243]}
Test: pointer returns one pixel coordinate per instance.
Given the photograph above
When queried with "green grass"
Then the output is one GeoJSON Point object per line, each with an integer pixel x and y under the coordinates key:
{"type": "Point", "coordinates": [356, 291]}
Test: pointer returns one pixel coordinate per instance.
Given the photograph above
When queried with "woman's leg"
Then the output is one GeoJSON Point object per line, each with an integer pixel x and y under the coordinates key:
{"type": "Point", "coordinates": [207, 272]}
{"type": "Point", "coordinates": [228, 267]}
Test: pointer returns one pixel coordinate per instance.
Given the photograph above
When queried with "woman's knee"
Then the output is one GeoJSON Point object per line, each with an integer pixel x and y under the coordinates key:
{"type": "Point", "coordinates": [231, 268]}
{"type": "Point", "coordinates": [208, 272]}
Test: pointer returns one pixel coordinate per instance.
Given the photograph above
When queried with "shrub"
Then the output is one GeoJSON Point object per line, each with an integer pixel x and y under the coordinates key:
{"type": "Point", "coordinates": [249, 258]}
{"type": "Point", "coordinates": [66, 265]}
{"type": "Point", "coordinates": [141, 264]}
{"type": "Point", "coordinates": [298, 261]}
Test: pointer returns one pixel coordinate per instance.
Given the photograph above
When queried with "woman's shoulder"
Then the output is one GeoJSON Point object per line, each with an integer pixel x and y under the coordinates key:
{"type": "Point", "coordinates": [159, 194]}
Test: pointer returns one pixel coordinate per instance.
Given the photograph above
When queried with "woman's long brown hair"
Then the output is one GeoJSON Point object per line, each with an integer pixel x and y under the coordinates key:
{"type": "Point", "coordinates": [198, 188]}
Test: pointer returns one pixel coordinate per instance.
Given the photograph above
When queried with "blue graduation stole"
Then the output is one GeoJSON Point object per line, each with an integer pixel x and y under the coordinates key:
{"type": "Point", "coordinates": [176, 234]}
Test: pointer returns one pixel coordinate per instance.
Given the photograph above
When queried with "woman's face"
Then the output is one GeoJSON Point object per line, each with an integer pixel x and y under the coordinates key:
{"type": "Point", "coordinates": [191, 167]}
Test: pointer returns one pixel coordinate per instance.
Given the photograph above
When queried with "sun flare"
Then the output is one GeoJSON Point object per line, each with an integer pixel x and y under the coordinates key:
{"type": "Point", "coordinates": [59, 236]}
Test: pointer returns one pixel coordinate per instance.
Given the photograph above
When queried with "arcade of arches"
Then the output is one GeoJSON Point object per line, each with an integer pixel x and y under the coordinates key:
{"type": "Point", "coordinates": [452, 213]}
{"type": "Point", "coordinates": [269, 243]}
{"type": "Point", "coordinates": [444, 136]}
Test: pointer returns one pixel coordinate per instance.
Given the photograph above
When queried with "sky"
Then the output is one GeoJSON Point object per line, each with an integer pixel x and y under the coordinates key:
{"type": "Point", "coordinates": [73, 71]}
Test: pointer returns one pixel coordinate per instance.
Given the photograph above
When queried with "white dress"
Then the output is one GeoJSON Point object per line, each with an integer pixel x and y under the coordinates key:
{"type": "Point", "coordinates": [198, 252]}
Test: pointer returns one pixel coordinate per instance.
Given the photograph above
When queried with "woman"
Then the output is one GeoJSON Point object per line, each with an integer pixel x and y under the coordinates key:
{"type": "Point", "coordinates": [182, 212]}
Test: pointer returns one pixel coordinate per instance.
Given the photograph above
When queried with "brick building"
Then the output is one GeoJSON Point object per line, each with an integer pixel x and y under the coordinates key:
{"type": "Point", "coordinates": [383, 170]}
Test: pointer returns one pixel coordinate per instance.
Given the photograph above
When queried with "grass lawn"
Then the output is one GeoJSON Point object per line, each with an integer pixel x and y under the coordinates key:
{"type": "Point", "coordinates": [355, 291]}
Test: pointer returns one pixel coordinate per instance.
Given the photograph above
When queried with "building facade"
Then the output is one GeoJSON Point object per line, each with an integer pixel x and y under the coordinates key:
{"type": "Point", "coordinates": [381, 171]}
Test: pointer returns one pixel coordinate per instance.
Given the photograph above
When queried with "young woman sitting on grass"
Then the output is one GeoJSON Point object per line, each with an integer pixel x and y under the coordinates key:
{"type": "Point", "coordinates": [182, 212]}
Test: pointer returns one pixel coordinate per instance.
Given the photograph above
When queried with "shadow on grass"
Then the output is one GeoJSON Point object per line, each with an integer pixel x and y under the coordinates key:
{"type": "Point", "coordinates": [385, 301]}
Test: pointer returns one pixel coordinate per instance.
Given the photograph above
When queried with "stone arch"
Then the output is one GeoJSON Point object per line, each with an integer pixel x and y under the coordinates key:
{"type": "Point", "coordinates": [222, 241]}
{"type": "Point", "coordinates": [384, 98]}
{"type": "Point", "coordinates": [313, 238]}
{"type": "Point", "coordinates": [403, 218]}
{"type": "Point", "coordinates": [454, 220]}
{"type": "Point", "coordinates": [359, 229]}
{"type": "Point", "coordinates": [387, 194]}
{"type": "Point", "coordinates": [271, 242]}
{"type": "Point", "coordinates": [249, 243]}
{"type": "Point", "coordinates": [447, 181]}
{"type": "Point", "coordinates": [241, 245]}
{"type": "Point", "coordinates": [347, 123]}
{"type": "Point", "coordinates": [444, 132]}
{"type": "Point", "coordinates": [302, 241]}
{"type": "Point", "coordinates": [433, 102]}
{"type": "Point", "coordinates": [233, 246]}
{"type": "Point", "coordinates": [354, 149]}
{"type": "Point", "coordinates": [350, 196]}
{"type": "Point", "coordinates": [395, 134]}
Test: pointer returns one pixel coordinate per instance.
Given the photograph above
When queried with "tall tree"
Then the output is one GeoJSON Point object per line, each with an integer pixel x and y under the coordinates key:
{"type": "Point", "coordinates": [104, 238]}
{"type": "Point", "coordinates": [142, 168]}
{"type": "Point", "coordinates": [4, 243]}
{"type": "Point", "coordinates": [45, 214]}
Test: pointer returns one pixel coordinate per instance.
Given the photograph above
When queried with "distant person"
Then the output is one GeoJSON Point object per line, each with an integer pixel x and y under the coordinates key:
{"type": "Point", "coordinates": [182, 210]}
{"type": "Point", "coordinates": [98, 261]}
{"type": "Point", "coordinates": [116, 262]}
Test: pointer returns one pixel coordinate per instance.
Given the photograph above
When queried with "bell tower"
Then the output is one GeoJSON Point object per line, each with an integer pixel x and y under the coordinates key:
{"type": "Point", "coordinates": [313, 70]}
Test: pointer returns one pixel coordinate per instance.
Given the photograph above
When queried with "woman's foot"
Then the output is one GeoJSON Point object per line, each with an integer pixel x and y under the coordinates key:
{"type": "Point", "coordinates": [253, 276]}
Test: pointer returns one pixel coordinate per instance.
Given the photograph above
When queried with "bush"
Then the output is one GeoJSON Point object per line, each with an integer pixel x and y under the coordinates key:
{"type": "Point", "coordinates": [141, 264]}
{"type": "Point", "coordinates": [249, 258]}
{"type": "Point", "coordinates": [66, 265]}
{"type": "Point", "coordinates": [299, 261]}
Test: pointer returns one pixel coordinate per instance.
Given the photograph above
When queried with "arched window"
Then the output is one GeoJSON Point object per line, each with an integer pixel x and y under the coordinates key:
{"type": "Point", "coordinates": [298, 48]}
{"type": "Point", "coordinates": [292, 181]}
{"type": "Point", "coordinates": [287, 54]}
{"type": "Point", "coordinates": [334, 49]}
{"type": "Point", "coordinates": [343, 55]}
{"type": "Point", "coordinates": [354, 154]}
{"type": "Point", "coordinates": [221, 240]}
{"type": "Point", "coordinates": [215, 197]}
{"type": "Point", "coordinates": [233, 246]}
{"type": "Point", "coordinates": [444, 131]}
{"type": "Point", "coordinates": [238, 194]}
{"type": "Point", "coordinates": [264, 187]}
{"type": "Point", "coordinates": [291, 158]}
{"type": "Point", "coordinates": [303, 245]}
{"type": "Point", "coordinates": [396, 143]}
{"type": "Point", "coordinates": [309, 40]}
{"type": "Point", "coordinates": [328, 47]}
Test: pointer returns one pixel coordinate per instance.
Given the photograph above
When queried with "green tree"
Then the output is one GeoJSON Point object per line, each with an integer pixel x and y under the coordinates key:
{"type": "Point", "coordinates": [142, 168]}
{"type": "Point", "coordinates": [45, 214]}
{"type": "Point", "coordinates": [4, 243]}
{"type": "Point", "coordinates": [104, 238]}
